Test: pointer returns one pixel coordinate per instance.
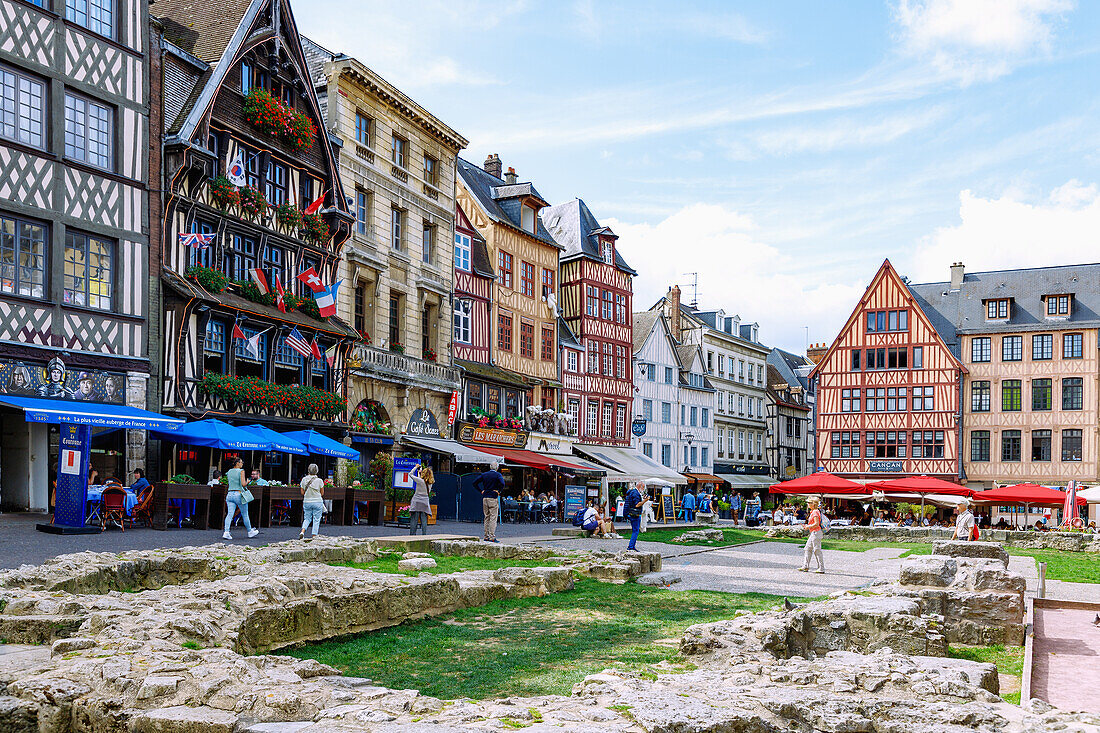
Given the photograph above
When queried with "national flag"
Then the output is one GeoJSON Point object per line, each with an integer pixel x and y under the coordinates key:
{"type": "Point", "coordinates": [196, 239]}
{"type": "Point", "coordinates": [330, 356]}
{"type": "Point", "coordinates": [236, 171]}
{"type": "Point", "coordinates": [315, 349]}
{"type": "Point", "coordinates": [254, 344]}
{"type": "Point", "coordinates": [238, 333]}
{"type": "Point", "coordinates": [258, 277]}
{"type": "Point", "coordinates": [312, 280]}
{"type": "Point", "coordinates": [316, 205]}
{"type": "Point", "coordinates": [279, 302]}
{"type": "Point", "coordinates": [299, 344]}
{"type": "Point", "coordinates": [326, 300]}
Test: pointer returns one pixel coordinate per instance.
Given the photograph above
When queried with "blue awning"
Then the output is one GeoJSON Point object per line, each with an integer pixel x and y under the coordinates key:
{"type": "Point", "coordinates": [41, 410]}
{"type": "Point", "coordinates": [322, 445]}
{"type": "Point", "coordinates": [213, 433]}
{"type": "Point", "coordinates": [279, 442]}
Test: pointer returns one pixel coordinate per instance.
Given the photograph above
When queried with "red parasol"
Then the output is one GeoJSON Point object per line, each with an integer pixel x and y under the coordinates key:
{"type": "Point", "coordinates": [821, 482]}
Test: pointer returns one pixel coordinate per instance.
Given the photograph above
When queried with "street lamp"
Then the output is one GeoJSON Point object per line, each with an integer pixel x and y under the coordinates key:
{"type": "Point", "coordinates": [689, 437]}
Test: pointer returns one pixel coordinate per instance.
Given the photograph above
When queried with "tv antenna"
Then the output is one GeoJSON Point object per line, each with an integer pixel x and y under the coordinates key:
{"type": "Point", "coordinates": [694, 285]}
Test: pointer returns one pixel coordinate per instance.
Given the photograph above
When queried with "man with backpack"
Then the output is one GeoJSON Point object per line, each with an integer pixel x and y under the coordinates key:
{"type": "Point", "coordinates": [816, 527]}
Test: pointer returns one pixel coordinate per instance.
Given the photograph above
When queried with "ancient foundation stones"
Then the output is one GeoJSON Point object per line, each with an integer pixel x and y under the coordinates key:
{"type": "Point", "coordinates": [701, 535]}
{"type": "Point", "coordinates": [415, 564]}
{"type": "Point", "coordinates": [957, 548]}
{"type": "Point", "coordinates": [1066, 541]}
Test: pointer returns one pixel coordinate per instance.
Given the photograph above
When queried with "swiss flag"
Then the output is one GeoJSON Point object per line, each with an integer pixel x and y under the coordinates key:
{"type": "Point", "coordinates": [279, 302]}
{"type": "Point", "coordinates": [312, 280]}
{"type": "Point", "coordinates": [238, 333]}
{"type": "Point", "coordinates": [316, 205]}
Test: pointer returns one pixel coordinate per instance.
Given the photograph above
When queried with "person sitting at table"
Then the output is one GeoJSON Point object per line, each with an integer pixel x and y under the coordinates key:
{"type": "Point", "coordinates": [257, 479]}
{"type": "Point", "coordinates": [551, 509]}
{"type": "Point", "coordinates": [542, 497]}
{"type": "Point", "coordinates": [140, 482]}
{"type": "Point", "coordinates": [215, 478]}
{"type": "Point", "coordinates": [93, 477]}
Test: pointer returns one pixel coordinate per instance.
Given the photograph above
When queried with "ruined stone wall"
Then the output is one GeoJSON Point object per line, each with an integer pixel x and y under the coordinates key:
{"type": "Point", "coordinates": [1067, 541]}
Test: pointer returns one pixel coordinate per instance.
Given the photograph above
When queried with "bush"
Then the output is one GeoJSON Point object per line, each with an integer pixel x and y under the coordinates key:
{"type": "Point", "coordinates": [306, 400]}
{"type": "Point", "coordinates": [288, 215]}
{"type": "Point", "coordinates": [273, 118]}
{"type": "Point", "coordinates": [182, 478]}
{"type": "Point", "coordinates": [315, 228]}
{"type": "Point", "coordinates": [213, 281]}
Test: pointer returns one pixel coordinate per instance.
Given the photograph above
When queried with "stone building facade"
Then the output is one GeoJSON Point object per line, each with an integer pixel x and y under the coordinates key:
{"type": "Point", "coordinates": [74, 248]}
{"type": "Point", "coordinates": [397, 163]}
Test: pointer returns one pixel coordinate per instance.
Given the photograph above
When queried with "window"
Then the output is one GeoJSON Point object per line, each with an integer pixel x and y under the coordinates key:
{"type": "Point", "coordinates": [251, 167]}
{"type": "Point", "coordinates": [897, 358]}
{"type": "Point", "coordinates": [504, 269]}
{"type": "Point", "coordinates": [979, 396]}
{"type": "Point", "coordinates": [924, 398]}
{"type": "Point", "coordinates": [704, 419]}
{"type": "Point", "coordinates": [1042, 397]}
{"type": "Point", "coordinates": [647, 409]}
{"type": "Point", "coordinates": [88, 265]}
{"type": "Point", "coordinates": [288, 363]}
{"type": "Point", "coordinates": [574, 409]}
{"type": "Point", "coordinates": [608, 305]}
{"type": "Point", "coordinates": [22, 257]}
{"type": "Point", "coordinates": [996, 310]}
{"type": "Point", "coordinates": [359, 316]}
{"type": "Point", "coordinates": [876, 399]}
{"type": "Point", "coordinates": [741, 443]}
{"type": "Point", "coordinates": [593, 417]}
{"type": "Point", "coordinates": [1072, 345]}
{"type": "Point", "coordinates": [721, 442]}
{"type": "Point", "coordinates": [876, 359]}
{"type": "Point", "coordinates": [721, 402]}
{"type": "Point", "coordinates": [666, 413]}
{"type": "Point", "coordinates": [462, 329]}
{"type": "Point", "coordinates": [740, 370]}
{"type": "Point", "coordinates": [95, 15]}
{"type": "Point", "coordinates": [927, 444]}
{"type": "Point", "coordinates": [362, 211]}
{"type": "Point", "coordinates": [427, 243]}
{"type": "Point", "coordinates": [400, 151]}
{"type": "Point", "coordinates": [462, 252]}
{"type": "Point", "coordinates": [620, 421]}
{"type": "Point", "coordinates": [979, 446]}
{"type": "Point", "coordinates": [608, 360]}
{"type": "Point", "coordinates": [492, 405]}
{"type": "Point", "coordinates": [605, 428]}
{"type": "Point", "coordinates": [547, 343]}
{"type": "Point", "coordinates": [213, 348]}
{"type": "Point", "coordinates": [886, 444]}
{"type": "Point", "coordinates": [918, 357]}
{"type": "Point", "coordinates": [88, 131]}
{"type": "Point", "coordinates": [1040, 445]}
{"type": "Point", "coordinates": [22, 108]}
{"type": "Point", "coordinates": [275, 184]}
{"type": "Point", "coordinates": [1057, 305]}
{"type": "Point", "coordinates": [620, 362]}
{"type": "Point", "coordinates": [1072, 393]}
{"type": "Point", "coordinates": [1010, 445]}
{"type": "Point", "coordinates": [1011, 395]}
{"type": "Point", "coordinates": [397, 223]}
{"type": "Point", "coordinates": [896, 400]}
{"type": "Point", "coordinates": [741, 403]}
{"type": "Point", "coordinates": [527, 279]}
{"type": "Point", "coordinates": [504, 331]}
{"type": "Point", "coordinates": [650, 372]}
{"type": "Point", "coordinates": [1012, 348]}
{"type": "Point", "coordinates": [855, 359]}
{"type": "Point", "coordinates": [694, 417]}
{"type": "Point", "coordinates": [750, 406]}
{"type": "Point", "coordinates": [431, 171]}
{"type": "Point", "coordinates": [571, 360]}
{"type": "Point", "coordinates": [395, 320]}
{"type": "Point", "coordinates": [1071, 445]}
{"type": "Point", "coordinates": [850, 401]}
{"type": "Point", "coordinates": [884, 321]}
{"type": "Point", "coordinates": [980, 349]}
{"type": "Point", "coordinates": [704, 457]}
{"type": "Point", "coordinates": [247, 365]}
{"type": "Point", "coordinates": [647, 450]}
{"type": "Point", "coordinates": [240, 257]}
{"type": "Point", "coordinates": [1042, 346]}
{"type": "Point", "coordinates": [272, 261]}
{"type": "Point", "coordinates": [593, 357]}
{"type": "Point", "coordinates": [527, 219]}
{"type": "Point", "coordinates": [620, 309]}
{"type": "Point", "coordinates": [669, 375]}
{"type": "Point", "coordinates": [844, 445]}
{"type": "Point", "coordinates": [729, 443]}
{"type": "Point", "coordinates": [666, 455]}
{"type": "Point", "coordinates": [202, 256]}
{"type": "Point", "coordinates": [592, 301]}
{"type": "Point", "coordinates": [246, 77]}
{"type": "Point", "coordinates": [363, 128]}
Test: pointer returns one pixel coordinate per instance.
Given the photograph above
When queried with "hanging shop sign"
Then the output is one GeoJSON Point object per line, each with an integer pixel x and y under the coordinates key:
{"type": "Point", "coordinates": [551, 444]}
{"type": "Point", "coordinates": [55, 381]}
{"type": "Point", "coordinates": [452, 409]}
{"type": "Point", "coordinates": [422, 424]}
{"type": "Point", "coordinates": [638, 426]}
{"type": "Point", "coordinates": [499, 437]}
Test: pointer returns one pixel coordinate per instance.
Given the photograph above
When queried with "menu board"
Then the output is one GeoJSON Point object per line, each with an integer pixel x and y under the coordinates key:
{"type": "Point", "coordinates": [668, 508]}
{"type": "Point", "coordinates": [574, 500]}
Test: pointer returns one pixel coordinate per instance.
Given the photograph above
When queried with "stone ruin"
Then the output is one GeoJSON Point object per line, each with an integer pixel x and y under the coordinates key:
{"type": "Point", "coordinates": [1064, 541]}
{"type": "Point", "coordinates": [175, 641]}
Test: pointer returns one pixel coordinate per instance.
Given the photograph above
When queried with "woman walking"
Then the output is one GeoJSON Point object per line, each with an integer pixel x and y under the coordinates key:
{"type": "Point", "coordinates": [313, 501]}
{"type": "Point", "coordinates": [813, 542]}
{"type": "Point", "coordinates": [237, 498]}
{"type": "Point", "coordinates": [420, 507]}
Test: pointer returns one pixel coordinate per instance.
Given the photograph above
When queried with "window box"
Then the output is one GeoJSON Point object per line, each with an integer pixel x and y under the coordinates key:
{"type": "Point", "coordinates": [273, 118]}
{"type": "Point", "coordinates": [212, 280]}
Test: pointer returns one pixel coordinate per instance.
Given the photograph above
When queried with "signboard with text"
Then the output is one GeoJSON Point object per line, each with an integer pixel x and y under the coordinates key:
{"type": "Point", "coordinates": [500, 437]}
{"type": "Point", "coordinates": [422, 424]}
{"type": "Point", "coordinates": [72, 475]}
{"type": "Point", "coordinates": [886, 466]}
{"type": "Point", "coordinates": [574, 500]}
{"type": "Point", "coordinates": [638, 427]}
{"type": "Point", "coordinates": [402, 468]}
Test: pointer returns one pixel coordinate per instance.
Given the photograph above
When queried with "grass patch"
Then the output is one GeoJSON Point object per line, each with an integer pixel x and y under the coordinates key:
{"type": "Point", "coordinates": [729, 536]}
{"type": "Point", "coordinates": [191, 644]}
{"type": "Point", "coordinates": [1074, 567]}
{"type": "Point", "coordinates": [447, 564]}
{"type": "Point", "coordinates": [1008, 659]}
{"type": "Point", "coordinates": [532, 646]}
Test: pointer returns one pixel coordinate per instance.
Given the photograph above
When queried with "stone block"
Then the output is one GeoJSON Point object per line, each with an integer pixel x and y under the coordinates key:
{"type": "Point", "coordinates": [959, 548]}
{"type": "Point", "coordinates": [663, 578]}
{"type": "Point", "coordinates": [701, 535]}
{"type": "Point", "coordinates": [706, 518]}
{"type": "Point", "coordinates": [181, 719]}
{"type": "Point", "coordinates": [416, 564]}
{"type": "Point", "coordinates": [568, 532]}
{"type": "Point", "coordinates": [418, 543]}
{"type": "Point", "coordinates": [928, 570]}
{"type": "Point", "coordinates": [37, 629]}
{"type": "Point", "coordinates": [18, 716]}
{"type": "Point", "coordinates": [154, 686]}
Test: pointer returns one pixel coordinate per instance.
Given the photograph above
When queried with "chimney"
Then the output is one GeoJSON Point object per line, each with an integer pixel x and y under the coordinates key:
{"type": "Point", "coordinates": [674, 311]}
{"type": "Point", "coordinates": [492, 165]}
{"type": "Point", "coordinates": [509, 177]}
{"type": "Point", "coordinates": [815, 352]}
{"type": "Point", "coordinates": [958, 271]}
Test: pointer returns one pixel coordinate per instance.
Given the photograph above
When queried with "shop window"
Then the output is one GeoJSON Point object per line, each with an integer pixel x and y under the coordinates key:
{"type": "Point", "coordinates": [511, 403]}
{"type": "Point", "coordinates": [473, 395]}
{"type": "Point", "coordinates": [493, 404]}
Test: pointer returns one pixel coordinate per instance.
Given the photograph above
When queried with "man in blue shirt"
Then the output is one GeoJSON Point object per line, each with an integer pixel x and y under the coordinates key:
{"type": "Point", "coordinates": [490, 484]}
{"type": "Point", "coordinates": [689, 506]}
{"type": "Point", "coordinates": [632, 508]}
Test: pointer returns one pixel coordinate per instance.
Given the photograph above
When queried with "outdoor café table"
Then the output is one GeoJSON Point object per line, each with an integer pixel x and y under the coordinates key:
{"type": "Point", "coordinates": [356, 495]}
{"type": "Point", "coordinates": [95, 496]}
{"type": "Point", "coordinates": [204, 497]}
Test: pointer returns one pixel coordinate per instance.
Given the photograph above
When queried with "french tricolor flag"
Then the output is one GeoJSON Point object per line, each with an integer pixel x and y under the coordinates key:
{"type": "Point", "coordinates": [326, 299]}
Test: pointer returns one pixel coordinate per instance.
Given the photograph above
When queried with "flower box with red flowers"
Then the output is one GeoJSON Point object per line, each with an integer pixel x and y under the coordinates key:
{"type": "Point", "coordinates": [273, 118]}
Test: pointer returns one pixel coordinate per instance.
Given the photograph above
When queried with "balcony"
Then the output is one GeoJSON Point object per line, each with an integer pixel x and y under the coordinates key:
{"type": "Point", "coordinates": [369, 361]}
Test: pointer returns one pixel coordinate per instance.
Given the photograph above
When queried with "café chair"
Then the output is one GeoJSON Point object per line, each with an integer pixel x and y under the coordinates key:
{"type": "Point", "coordinates": [143, 510]}
{"type": "Point", "coordinates": [114, 507]}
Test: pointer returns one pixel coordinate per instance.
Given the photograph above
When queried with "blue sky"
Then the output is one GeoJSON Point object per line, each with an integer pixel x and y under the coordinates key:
{"type": "Point", "coordinates": [780, 149]}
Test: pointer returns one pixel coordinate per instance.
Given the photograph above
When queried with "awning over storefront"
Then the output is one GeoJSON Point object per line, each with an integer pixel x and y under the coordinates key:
{"type": "Point", "coordinates": [461, 453]}
{"type": "Point", "coordinates": [628, 465]}
{"type": "Point", "coordinates": [704, 478]}
{"type": "Point", "coordinates": [530, 459]}
{"type": "Point", "coordinates": [41, 410]}
{"type": "Point", "coordinates": [747, 481]}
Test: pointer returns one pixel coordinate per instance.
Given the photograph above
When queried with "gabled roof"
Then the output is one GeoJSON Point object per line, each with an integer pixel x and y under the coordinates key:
{"type": "Point", "coordinates": [643, 326]}
{"type": "Point", "coordinates": [566, 337]}
{"type": "Point", "coordinates": [503, 207]}
{"type": "Point", "coordinates": [962, 311]}
{"type": "Point", "coordinates": [786, 365]}
{"type": "Point", "coordinates": [775, 381]}
{"type": "Point", "coordinates": [577, 231]}
{"type": "Point", "coordinates": [198, 28]}
{"type": "Point", "coordinates": [480, 263]}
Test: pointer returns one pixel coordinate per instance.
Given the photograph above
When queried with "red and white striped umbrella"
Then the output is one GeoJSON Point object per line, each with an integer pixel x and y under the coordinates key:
{"type": "Point", "coordinates": [1069, 508]}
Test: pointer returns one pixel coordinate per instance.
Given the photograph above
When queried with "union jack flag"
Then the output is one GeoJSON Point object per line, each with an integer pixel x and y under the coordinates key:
{"type": "Point", "coordinates": [196, 239]}
{"type": "Point", "coordinates": [299, 344]}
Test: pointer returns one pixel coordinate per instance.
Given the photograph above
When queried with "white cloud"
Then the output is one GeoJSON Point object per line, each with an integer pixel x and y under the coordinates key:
{"type": "Point", "coordinates": [738, 273]}
{"type": "Point", "coordinates": [1010, 232]}
{"type": "Point", "coordinates": [978, 39]}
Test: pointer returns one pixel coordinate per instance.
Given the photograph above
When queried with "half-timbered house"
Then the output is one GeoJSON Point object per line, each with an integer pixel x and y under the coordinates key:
{"type": "Point", "coordinates": [596, 302]}
{"type": "Point", "coordinates": [888, 390]}
{"type": "Point", "coordinates": [523, 369]}
{"type": "Point", "coordinates": [252, 200]}
{"type": "Point", "coordinates": [74, 249]}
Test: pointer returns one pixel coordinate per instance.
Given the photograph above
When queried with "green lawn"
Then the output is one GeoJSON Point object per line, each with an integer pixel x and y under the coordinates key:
{"type": "Point", "coordinates": [1075, 567]}
{"type": "Point", "coordinates": [531, 646]}
{"type": "Point", "coordinates": [387, 563]}
{"type": "Point", "coordinates": [1009, 661]}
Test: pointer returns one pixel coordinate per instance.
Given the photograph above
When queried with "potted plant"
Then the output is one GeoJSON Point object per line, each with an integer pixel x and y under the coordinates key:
{"type": "Point", "coordinates": [252, 201]}
{"type": "Point", "coordinates": [213, 281]}
{"type": "Point", "coordinates": [289, 216]}
{"type": "Point", "coordinates": [430, 355]}
{"type": "Point", "coordinates": [314, 228]}
{"type": "Point", "coordinates": [397, 348]}
{"type": "Point", "coordinates": [224, 193]}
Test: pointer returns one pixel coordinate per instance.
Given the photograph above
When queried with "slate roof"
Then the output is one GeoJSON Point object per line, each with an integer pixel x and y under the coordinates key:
{"type": "Point", "coordinates": [500, 201]}
{"type": "Point", "coordinates": [962, 311]}
{"type": "Point", "coordinates": [566, 337]}
{"type": "Point", "coordinates": [786, 364]}
{"type": "Point", "coordinates": [199, 28]}
{"type": "Point", "coordinates": [643, 326]}
{"type": "Point", "coordinates": [575, 229]}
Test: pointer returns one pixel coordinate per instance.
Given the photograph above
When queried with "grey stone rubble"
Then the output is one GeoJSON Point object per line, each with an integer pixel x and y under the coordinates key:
{"type": "Point", "coordinates": [663, 578]}
{"type": "Point", "coordinates": [855, 662]}
{"type": "Point", "coordinates": [701, 535]}
{"type": "Point", "coordinates": [1066, 541]}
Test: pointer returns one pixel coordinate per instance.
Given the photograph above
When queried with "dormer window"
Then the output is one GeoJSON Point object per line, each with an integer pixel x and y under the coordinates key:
{"type": "Point", "coordinates": [1058, 305]}
{"type": "Point", "coordinates": [997, 310]}
{"type": "Point", "coordinates": [527, 219]}
{"type": "Point", "coordinates": [608, 252]}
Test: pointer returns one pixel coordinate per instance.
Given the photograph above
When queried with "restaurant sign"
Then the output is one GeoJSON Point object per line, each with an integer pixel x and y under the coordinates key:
{"type": "Point", "coordinates": [422, 424]}
{"type": "Point", "coordinates": [498, 437]}
{"type": "Point", "coordinates": [551, 443]}
{"type": "Point", "coordinates": [886, 466]}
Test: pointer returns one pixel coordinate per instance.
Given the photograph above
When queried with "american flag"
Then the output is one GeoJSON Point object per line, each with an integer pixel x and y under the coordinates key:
{"type": "Point", "coordinates": [299, 344]}
{"type": "Point", "coordinates": [196, 239]}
